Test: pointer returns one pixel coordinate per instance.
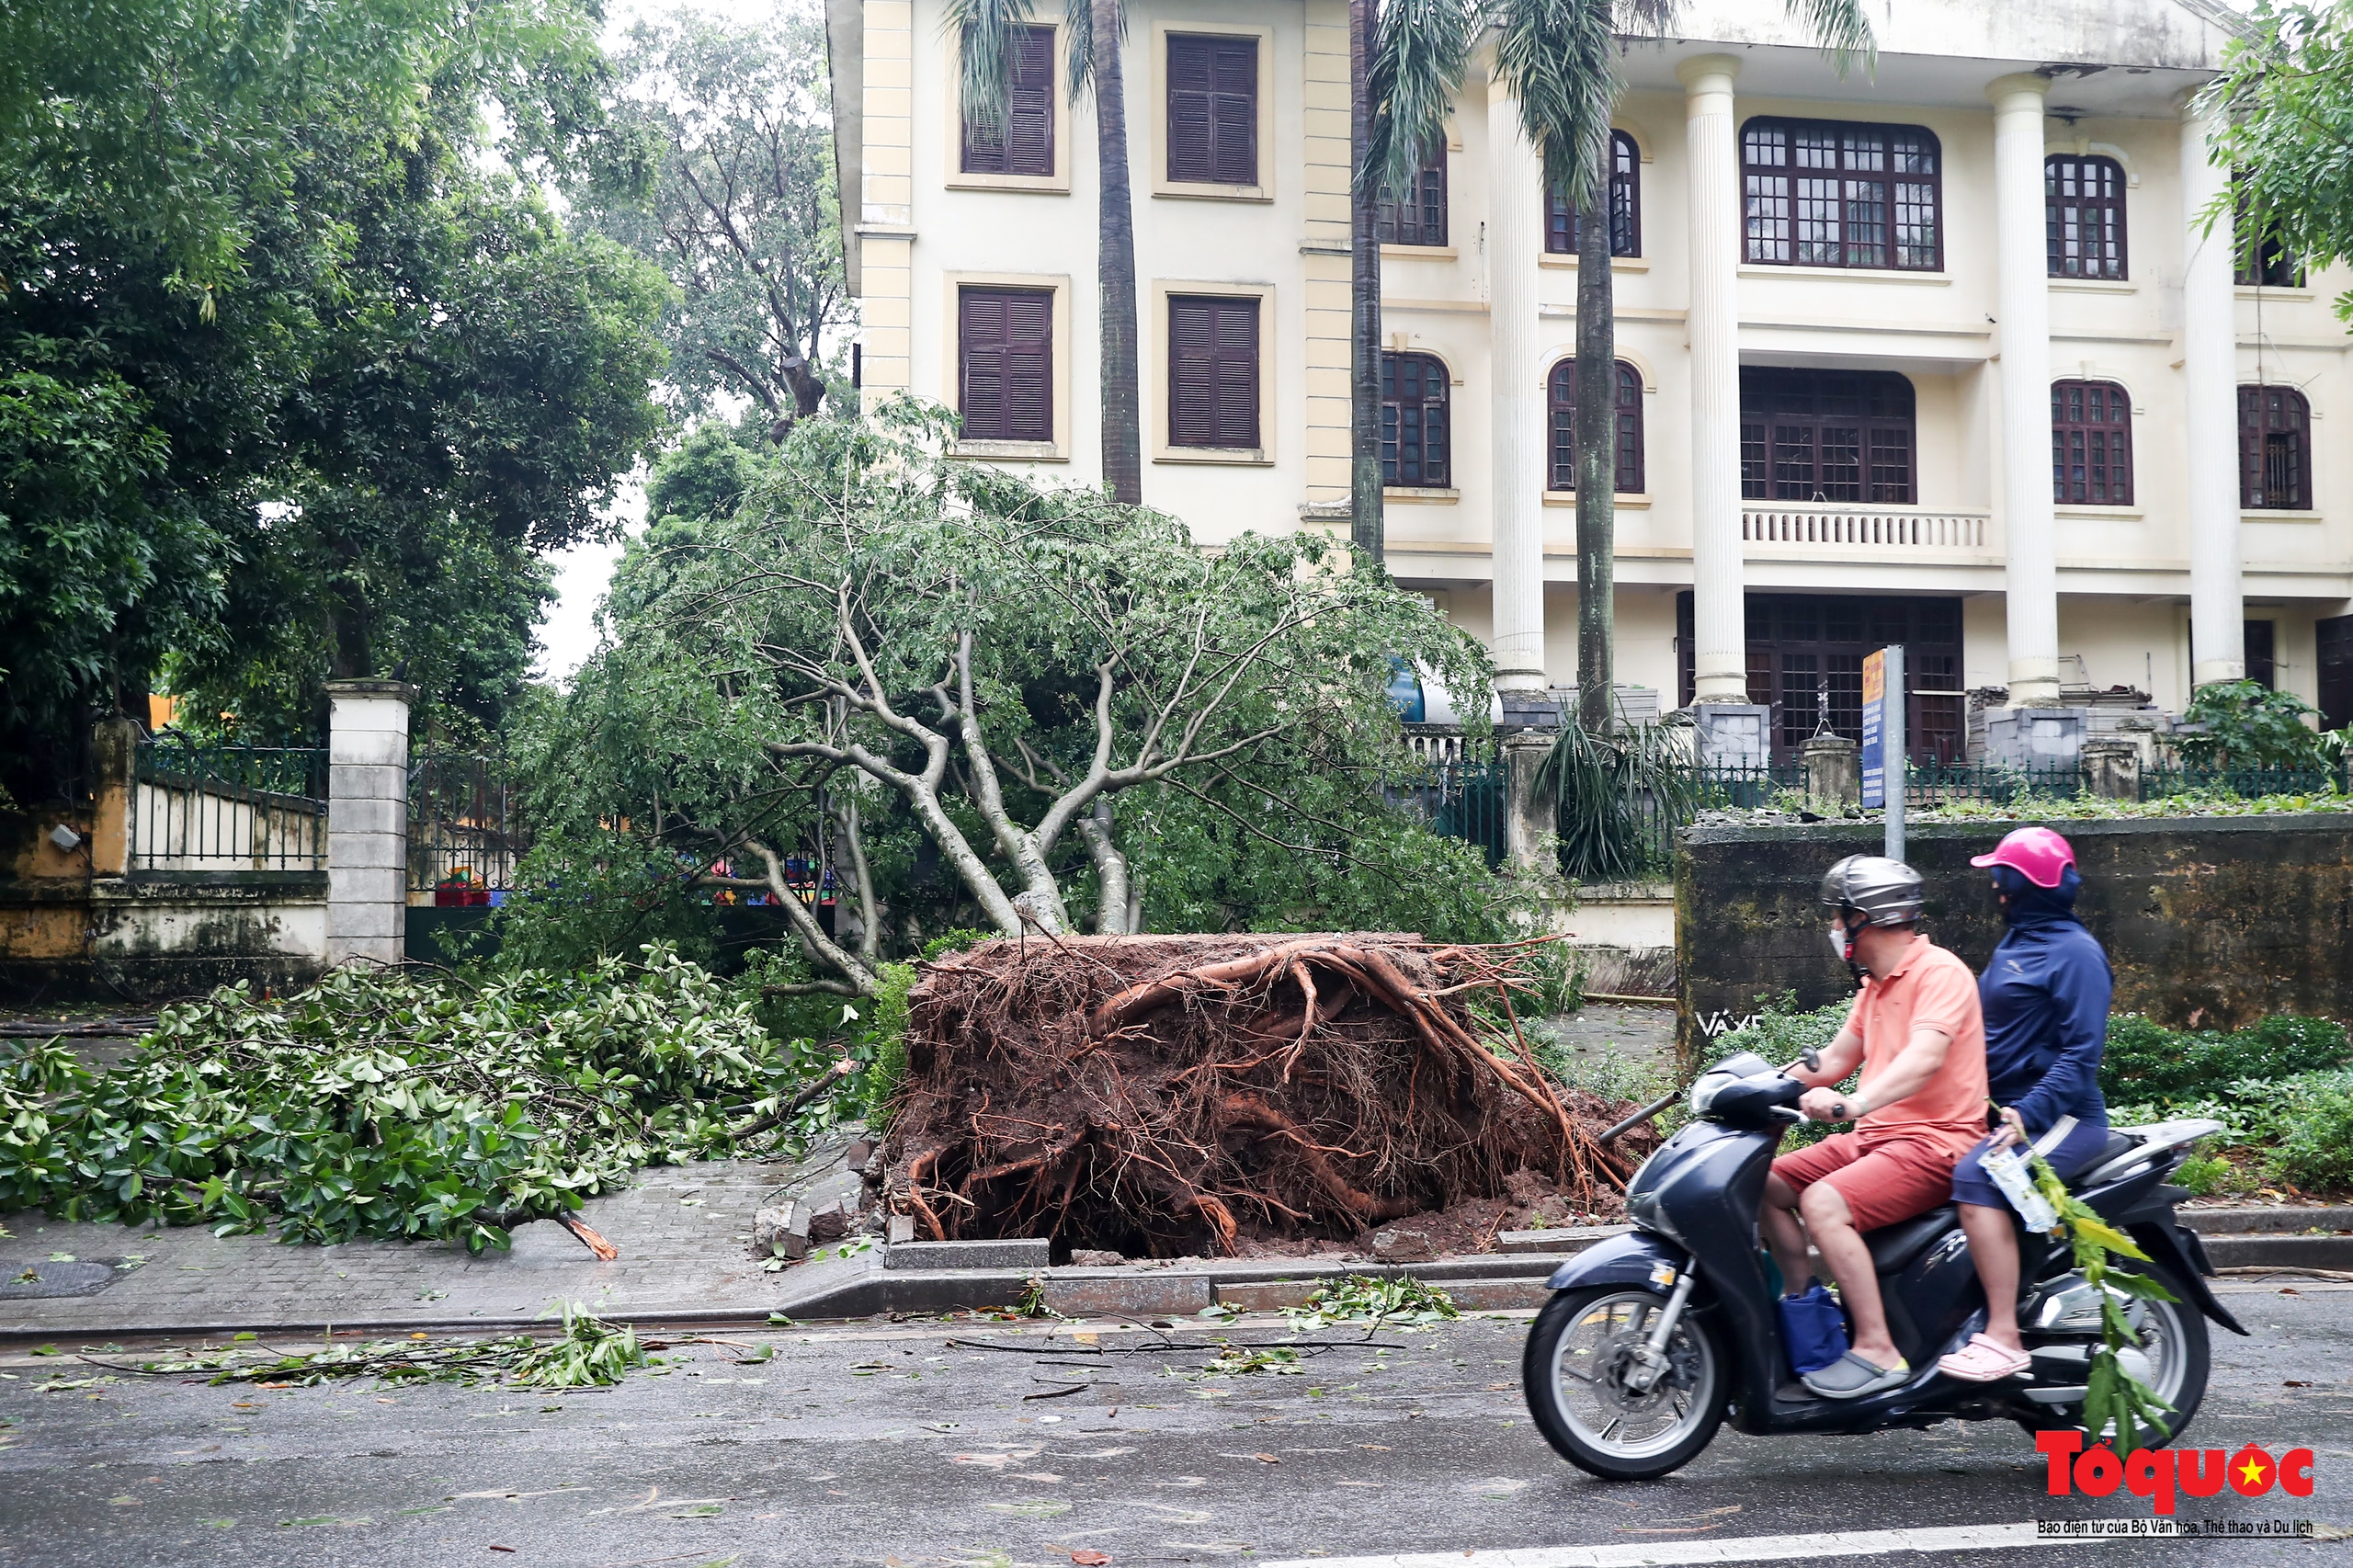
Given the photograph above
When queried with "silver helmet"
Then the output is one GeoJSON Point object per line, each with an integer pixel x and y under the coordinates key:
{"type": "Point", "coordinates": [1887, 893]}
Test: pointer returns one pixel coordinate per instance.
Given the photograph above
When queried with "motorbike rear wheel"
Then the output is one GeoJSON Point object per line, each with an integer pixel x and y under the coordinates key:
{"type": "Point", "coordinates": [1581, 1376]}
{"type": "Point", "coordinates": [2175, 1357]}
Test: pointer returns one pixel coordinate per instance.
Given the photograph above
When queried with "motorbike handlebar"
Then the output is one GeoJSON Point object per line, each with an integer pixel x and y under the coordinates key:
{"type": "Point", "coordinates": [1810, 1060]}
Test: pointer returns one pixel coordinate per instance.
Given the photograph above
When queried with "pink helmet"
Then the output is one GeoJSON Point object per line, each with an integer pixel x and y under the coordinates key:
{"type": "Point", "coordinates": [2038, 853]}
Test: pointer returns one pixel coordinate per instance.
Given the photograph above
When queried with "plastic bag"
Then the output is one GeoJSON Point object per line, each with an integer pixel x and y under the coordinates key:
{"type": "Point", "coordinates": [1813, 1329]}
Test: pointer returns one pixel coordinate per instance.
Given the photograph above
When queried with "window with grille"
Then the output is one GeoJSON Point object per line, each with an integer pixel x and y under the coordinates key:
{"type": "Point", "coordinates": [2268, 263]}
{"type": "Point", "coordinates": [2275, 450]}
{"type": "Point", "coordinates": [1024, 145]}
{"type": "Point", "coordinates": [1419, 218]}
{"type": "Point", "coordinates": [1826, 436]}
{"type": "Point", "coordinates": [1004, 358]}
{"type": "Point", "coordinates": [2083, 215]}
{"type": "Point", "coordinates": [1829, 193]}
{"type": "Point", "coordinates": [1414, 422]}
{"type": "Point", "coordinates": [2091, 444]}
{"type": "Point", "coordinates": [1562, 399]}
{"type": "Point", "coordinates": [1560, 226]}
{"type": "Point", "coordinates": [1212, 371]}
{"type": "Point", "coordinates": [1805, 659]}
{"type": "Point", "coordinates": [1212, 110]}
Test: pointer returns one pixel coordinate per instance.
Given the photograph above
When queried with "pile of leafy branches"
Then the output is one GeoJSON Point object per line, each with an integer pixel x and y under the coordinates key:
{"type": "Point", "coordinates": [391, 1105]}
{"type": "Point", "coordinates": [589, 1353]}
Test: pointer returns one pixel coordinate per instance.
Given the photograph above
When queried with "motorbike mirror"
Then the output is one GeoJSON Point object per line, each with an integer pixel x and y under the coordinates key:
{"type": "Point", "coordinates": [1812, 1058]}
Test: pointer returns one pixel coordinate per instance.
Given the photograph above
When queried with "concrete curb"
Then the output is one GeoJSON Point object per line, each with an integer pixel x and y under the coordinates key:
{"type": "Point", "coordinates": [863, 1287]}
{"type": "Point", "coordinates": [2286, 1217]}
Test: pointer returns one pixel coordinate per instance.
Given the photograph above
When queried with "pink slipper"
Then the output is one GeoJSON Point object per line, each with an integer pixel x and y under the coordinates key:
{"type": "Point", "coordinates": [1983, 1361]}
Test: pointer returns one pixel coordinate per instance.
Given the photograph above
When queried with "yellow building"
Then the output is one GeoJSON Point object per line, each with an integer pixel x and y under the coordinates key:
{"type": "Point", "coordinates": [1941, 353]}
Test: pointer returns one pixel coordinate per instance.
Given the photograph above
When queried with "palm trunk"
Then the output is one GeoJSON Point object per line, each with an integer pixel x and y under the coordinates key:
{"type": "Point", "coordinates": [1115, 261]}
{"type": "Point", "coordinates": [1366, 523]}
{"type": "Point", "coordinates": [1597, 434]}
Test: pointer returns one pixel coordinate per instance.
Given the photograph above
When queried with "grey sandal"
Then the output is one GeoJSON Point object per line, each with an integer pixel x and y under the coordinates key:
{"type": "Point", "coordinates": [1851, 1377]}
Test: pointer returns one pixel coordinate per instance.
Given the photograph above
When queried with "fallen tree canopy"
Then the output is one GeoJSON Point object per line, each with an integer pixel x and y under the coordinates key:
{"type": "Point", "coordinates": [1166, 1096]}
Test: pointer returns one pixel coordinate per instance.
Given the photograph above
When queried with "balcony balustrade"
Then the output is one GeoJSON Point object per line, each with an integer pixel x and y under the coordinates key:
{"type": "Point", "coordinates": [1864, 529]}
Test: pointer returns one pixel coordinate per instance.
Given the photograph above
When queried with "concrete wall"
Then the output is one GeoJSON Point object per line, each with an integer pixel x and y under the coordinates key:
{"type": "Point", "coordinates": [2209, 922]}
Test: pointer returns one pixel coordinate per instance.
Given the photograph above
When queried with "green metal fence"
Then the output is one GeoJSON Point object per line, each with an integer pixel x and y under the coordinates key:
{"type": "Point", "coordinates": [223, 808]}
{"type": "Point", "coordinates": [465, 832]}
{"type": "Point", "coordinates": [1467, 800]}
{"type": "Point", "coordinates": [1463, 800]}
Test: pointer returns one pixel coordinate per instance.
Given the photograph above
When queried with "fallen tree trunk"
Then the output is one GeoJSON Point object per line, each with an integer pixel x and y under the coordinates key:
{"type": "Point", "coordinates": [1163, 1096]}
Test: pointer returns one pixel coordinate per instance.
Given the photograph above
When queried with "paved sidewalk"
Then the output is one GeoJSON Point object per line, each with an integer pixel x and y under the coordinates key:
{"type": "Point", "coordinates": [684, 1233]}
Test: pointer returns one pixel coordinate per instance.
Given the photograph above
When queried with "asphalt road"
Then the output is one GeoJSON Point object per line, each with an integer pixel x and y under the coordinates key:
{"type": "Point", "coordinates": [890, 1445]}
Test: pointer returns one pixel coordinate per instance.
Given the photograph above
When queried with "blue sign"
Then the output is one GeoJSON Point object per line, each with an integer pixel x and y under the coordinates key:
{"type": "Point", "coordinates": [1874, 742]}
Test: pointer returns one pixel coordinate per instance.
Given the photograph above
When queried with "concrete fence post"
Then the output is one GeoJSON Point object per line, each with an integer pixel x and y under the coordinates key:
{"type": "Point", "coordinates": [1833, 772]}
{"type": "Point", "coordinates": [114, 759]}
{"type": "Point", "coordinates": [2112, 765]}
{"type": "Point", "coordinates": [367, 820]}
{"type": "Point", "coordinates": [1531, 836]}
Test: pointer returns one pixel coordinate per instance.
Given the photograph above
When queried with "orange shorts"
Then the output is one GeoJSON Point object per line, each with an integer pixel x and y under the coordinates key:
{"type": "Point", "coordinates": [1883, 1180]}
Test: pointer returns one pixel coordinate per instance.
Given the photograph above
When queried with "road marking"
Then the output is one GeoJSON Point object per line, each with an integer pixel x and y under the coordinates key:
{"type": "Point", "coordinates": [1748, 1548]}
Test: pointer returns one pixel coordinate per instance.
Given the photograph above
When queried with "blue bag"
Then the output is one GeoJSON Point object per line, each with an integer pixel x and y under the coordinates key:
{"type": "Point", "coordinates": [1814, 1330]}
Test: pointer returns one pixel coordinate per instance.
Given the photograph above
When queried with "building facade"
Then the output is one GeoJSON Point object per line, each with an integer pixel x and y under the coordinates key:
{"type": "Point", "coordinates": [1949, 351]}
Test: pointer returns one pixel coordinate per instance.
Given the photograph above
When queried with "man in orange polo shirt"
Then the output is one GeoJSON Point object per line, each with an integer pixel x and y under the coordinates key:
{"type": "Point", "coordinates": [1918, 1033]}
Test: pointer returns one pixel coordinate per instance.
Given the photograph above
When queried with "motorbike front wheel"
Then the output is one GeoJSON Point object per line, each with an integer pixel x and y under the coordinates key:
{"type": "Point", "coordinates": [1587, 1392]}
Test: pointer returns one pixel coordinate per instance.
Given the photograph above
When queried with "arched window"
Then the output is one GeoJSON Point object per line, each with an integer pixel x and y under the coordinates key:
{"type": "Point", "coordinates": [2275, 450]}
{"type": "Point", "coordinates": [1826, 436]}
{"type": "Point", "coordinates": [2084, 216]}
{"type": "Point", "coordinates": [2091, 444]}
{"type": "Point", "coordinates": [1835, 193]}
{"type": "Point", "coordinates": [1414, 422]}
{"type": "Point", "coordinates": [1625, 205]}
{"type": "Point", "coordinates": [1562, 400]}
{"type": "Point", "coordinates": [1420, 219]}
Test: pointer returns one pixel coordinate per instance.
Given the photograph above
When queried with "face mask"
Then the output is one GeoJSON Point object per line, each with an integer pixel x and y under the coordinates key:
{"type": "Point", "coordinates": [1842, 942]}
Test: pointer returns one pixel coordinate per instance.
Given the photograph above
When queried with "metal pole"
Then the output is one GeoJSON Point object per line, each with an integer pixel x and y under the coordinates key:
{"type": "Point", "coordinates": [1894, 759]}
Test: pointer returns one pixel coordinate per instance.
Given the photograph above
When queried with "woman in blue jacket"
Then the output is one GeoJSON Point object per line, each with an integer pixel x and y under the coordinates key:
{"type": "Point", "coordinates": [2045, 995]}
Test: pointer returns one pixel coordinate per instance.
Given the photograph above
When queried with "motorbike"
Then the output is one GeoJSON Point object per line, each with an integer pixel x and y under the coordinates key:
{"type": "Point", "coordinates": [1652, 1339]}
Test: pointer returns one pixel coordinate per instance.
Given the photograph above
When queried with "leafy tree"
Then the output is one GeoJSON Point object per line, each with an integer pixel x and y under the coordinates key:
{"type": "Point", "coordinates": [1001, 702]}
{"type": "Point", "coordinates": [294, 381]}
{"type": "Point", "coordinates": [1559, 59]}
{"type": "Point", "coordinates": [2286, 98]}
{"type": "Point", "coordinates": [719, 166]}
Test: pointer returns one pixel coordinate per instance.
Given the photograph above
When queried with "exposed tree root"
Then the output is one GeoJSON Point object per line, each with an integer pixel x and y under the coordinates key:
{"type": "Point", "coordinates": [1172, 1095]}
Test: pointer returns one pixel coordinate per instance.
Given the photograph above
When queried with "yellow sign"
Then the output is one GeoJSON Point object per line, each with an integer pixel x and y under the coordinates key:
{"type": "Point", "coordinates": [1874, 676]}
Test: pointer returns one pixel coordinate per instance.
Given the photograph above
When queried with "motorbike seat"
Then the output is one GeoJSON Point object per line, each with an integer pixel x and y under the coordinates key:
{"type": "Point", "coordinates": [2118, 1143]}
{"type": "Point", "coordinates": [1893, 1246]}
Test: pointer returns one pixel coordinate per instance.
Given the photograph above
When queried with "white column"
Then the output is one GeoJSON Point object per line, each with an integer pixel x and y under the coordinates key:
{"type": "Point", "coordinates": [2210, 378]}
{"type": "Point", "coordinates": [1514, 243]}
{"type": "Point", "coordinates": [2031, 584]}
{"type": "Point", "coordinates": [1719, 622]}
{"type": "Point", "coordinates": [367, 820]}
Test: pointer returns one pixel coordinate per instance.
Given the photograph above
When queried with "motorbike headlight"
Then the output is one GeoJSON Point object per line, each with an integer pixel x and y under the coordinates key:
{"type": "Point", "coordinates": [1644, 1211]}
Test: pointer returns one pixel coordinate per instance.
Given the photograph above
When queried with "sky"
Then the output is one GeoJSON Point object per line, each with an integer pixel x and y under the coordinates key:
{"type": "Point", "coordinates": [568, 635]}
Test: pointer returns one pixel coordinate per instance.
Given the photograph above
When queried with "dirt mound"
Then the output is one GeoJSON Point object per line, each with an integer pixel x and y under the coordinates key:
{"type": "Point", "coordinates": [1164, 1095]}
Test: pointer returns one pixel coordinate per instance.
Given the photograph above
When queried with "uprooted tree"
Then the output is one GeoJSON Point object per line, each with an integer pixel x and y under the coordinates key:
{"type": "Point", "coordinates": [871, 630]}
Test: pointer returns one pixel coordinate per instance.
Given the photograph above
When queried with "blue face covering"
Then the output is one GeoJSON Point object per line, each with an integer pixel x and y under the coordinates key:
{"type": "Point", "coordinates": [2032, 908]}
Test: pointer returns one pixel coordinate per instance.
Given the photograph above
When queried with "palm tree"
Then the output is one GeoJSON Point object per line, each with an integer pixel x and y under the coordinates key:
{"type": "Point", "coordinates": [1559, 59]}
{"type": "Point", "coordinates": [984, 30]}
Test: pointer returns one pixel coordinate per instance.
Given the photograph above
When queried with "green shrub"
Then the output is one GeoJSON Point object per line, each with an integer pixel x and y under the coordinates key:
{"type": "Point", "coordinates": [951, 942]}
{"type": "Point", "coordinates": [2145, 1060]}
{"type": "Point", "coordinates": [885, 1042]}
{"type": "Point", "coordinates": [2206, 1175]}
{"type": "Point", "coordinates": [2317, 1151]}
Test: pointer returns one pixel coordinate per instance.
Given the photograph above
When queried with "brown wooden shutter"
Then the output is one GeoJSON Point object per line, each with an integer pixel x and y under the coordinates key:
{"type": "Point", "coordinates": [1006, 360]}
{"type": "Point", "coordinates": [1212, 371]}
{"type": "Point", "coordinates": [1030, 147]}
{"type": "Point", "coordinates": [1212, 110]}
